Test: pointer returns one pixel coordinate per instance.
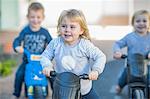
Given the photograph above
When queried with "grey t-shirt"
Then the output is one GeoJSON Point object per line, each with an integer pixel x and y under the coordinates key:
{"type": "Point", "coordinates": [79, 58]}
{"type": "Point", "coordinates": [135, 43]}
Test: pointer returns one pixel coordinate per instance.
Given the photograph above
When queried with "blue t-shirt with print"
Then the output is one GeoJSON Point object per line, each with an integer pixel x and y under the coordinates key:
{"type": "Point", "coordinates": [34, 41]}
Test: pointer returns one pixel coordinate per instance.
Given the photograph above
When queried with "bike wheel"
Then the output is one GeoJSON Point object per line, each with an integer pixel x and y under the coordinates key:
{"type": "Point", "coordinates": [138, 94]}
{"type": "Point", "coordinates": [38, 93]}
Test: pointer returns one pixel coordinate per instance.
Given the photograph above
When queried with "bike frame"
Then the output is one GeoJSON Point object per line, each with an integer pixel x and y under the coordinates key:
{"type": "Point", "coordinates": [139, 86]}
{"type": "Point", "coordinates": [67, 85]}
{"type": "Point", "coordinates": [34, 79]}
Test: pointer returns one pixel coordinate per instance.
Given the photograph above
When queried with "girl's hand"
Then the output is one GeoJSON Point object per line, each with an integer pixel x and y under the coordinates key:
{"type": "Point", "coordinates": [19, 49]}
{"type": "Point", "coordinates": [148, 55]}
{"type": "Point", "coordinates": [117, 55]}
{"type": "Point", "coordinates": [46, 71]}
{"type": "Point", "coordinates": [93, 75]}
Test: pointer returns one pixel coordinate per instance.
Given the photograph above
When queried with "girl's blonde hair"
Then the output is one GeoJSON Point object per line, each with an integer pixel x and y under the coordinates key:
{"type": "Point", "coordinates": [140, 12]}
{"type": "Point", "coordinates": [77, 16]}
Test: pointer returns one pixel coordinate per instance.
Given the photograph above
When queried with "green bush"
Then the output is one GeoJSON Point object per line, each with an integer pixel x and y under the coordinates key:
{"type": "Point", "coordinates": [6, 67]}
{"type": "Point", "coordinates": [1, 66]}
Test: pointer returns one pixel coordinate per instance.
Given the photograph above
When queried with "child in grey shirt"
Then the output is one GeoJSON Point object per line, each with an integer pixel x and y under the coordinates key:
{"type": "Point", "coordinates": [72, 51]}
{"type": "Point", "coordinates": [137, 41]}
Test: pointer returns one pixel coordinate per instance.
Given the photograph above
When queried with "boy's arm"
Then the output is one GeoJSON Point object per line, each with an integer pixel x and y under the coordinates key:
{"type": "Point", "coordinates": [17, 42]}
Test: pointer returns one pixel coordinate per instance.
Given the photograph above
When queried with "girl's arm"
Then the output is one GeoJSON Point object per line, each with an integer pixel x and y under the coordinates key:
{"type": "Point", "coordinates": [149, 55]}
{"type": "Point", "coordinates": [47, 65]}
{"type": "Point", "coordinates": [99, 59]}
{"type": "Point", "coordinates": [118, 45]}
{"type": "Point", "coordinates": [47, 57]}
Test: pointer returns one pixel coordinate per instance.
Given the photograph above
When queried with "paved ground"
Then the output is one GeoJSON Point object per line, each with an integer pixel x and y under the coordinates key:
{"type": "Point", "coordinates": [104, 85]}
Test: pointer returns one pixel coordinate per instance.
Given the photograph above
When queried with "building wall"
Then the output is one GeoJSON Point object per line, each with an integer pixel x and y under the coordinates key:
{"type": "Point", "coordinates": [97, 12]}
{"type": "Point", "coordinates": [94, 10]}
{"type": "Point", "coordinates": [9, 14]}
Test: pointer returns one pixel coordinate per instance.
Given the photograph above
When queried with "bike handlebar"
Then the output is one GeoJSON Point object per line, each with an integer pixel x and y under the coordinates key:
{"type": "Point", "coordinates": [83, 76]}
{"type": "Point", "coordinates": [32, 57]}
{"type": "Point", "coordinates": [53, 73]}
{"type": "Point", "coordinates": [124, 56]}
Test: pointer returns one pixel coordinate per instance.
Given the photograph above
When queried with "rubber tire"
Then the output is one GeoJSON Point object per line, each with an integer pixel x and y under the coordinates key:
{"type": "Point", "coordinates": [138, 94]}
{"type": "Point", "coordinates": [38, 93]}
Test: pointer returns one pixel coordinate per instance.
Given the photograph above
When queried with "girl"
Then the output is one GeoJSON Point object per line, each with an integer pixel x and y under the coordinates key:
{"type": "Point", "coordinates": [136, 41]}
{"type": "Point", "coordinates": [73, 46]}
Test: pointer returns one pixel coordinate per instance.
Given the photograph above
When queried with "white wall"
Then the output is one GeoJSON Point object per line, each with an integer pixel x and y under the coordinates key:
{"type": "Point", "coordinates": [23, 6]}
{"type": "Point", "coordinates": [9, 14]}
{"type": "Point", "coordinates": [14, 11]}
{"type": "Point", "coordinates": [142, 4]}
{"type": "Point", "coordinates": [92, 9]}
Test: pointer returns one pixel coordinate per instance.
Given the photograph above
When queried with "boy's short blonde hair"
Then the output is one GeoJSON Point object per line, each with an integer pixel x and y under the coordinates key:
{"type": "Point", "coordinates": [35, 6]}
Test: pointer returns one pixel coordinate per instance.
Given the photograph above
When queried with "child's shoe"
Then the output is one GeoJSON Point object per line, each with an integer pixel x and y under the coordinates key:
{"type": "Point", "coordinates": [118, 89]}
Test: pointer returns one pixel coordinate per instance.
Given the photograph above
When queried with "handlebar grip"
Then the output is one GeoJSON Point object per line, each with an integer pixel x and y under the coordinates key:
{"type": "Point", "coordinates": [84, 76]}
{"type": "Point", "coordinates": [53, 73]}
{"type": "Point", "coordinates": [146, 57]}
{"type": "Point", "coordinates": [124, 56]}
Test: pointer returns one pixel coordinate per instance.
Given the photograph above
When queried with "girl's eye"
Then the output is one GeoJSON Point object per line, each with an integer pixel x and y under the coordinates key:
{"type": "Point", "coordinates": [137, 21]}
{"type": "Point", "coordinates": [38, 17]}
{"type": "Point", "coordinates": [144, 21]}
{"type": "Point", "coordinates": [63, 26]}
{"type": "Point", "coordinates": [72, 27]}
{"type": "Point", "coordinates": [32, 17]}
{"type": "Point", "coordinates": [141, 21]}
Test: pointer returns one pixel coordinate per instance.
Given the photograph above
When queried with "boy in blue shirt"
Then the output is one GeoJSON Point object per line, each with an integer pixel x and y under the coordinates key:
{"type": "Point", "coordinates": [34, 38]}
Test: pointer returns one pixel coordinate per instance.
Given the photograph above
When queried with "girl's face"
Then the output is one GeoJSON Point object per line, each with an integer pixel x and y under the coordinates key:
{"type": "Point", "coordinates": [70, 31]}
{"type": "Point", "coordinates": [141, 24]}
{"type": "Point", "coordinates": [35, 19]}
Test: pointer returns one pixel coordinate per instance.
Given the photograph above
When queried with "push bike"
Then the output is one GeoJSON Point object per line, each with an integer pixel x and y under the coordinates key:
{"type": "Point", "coordinates": [67, 85]}
{"type": "Point", "coordinates": [137, 76]}
{"type": "Point", "coordinates": [35, 81]}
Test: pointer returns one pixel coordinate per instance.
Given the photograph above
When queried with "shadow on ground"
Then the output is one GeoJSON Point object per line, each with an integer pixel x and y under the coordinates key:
{"type": "Point", "coordinates": [105, 85]}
